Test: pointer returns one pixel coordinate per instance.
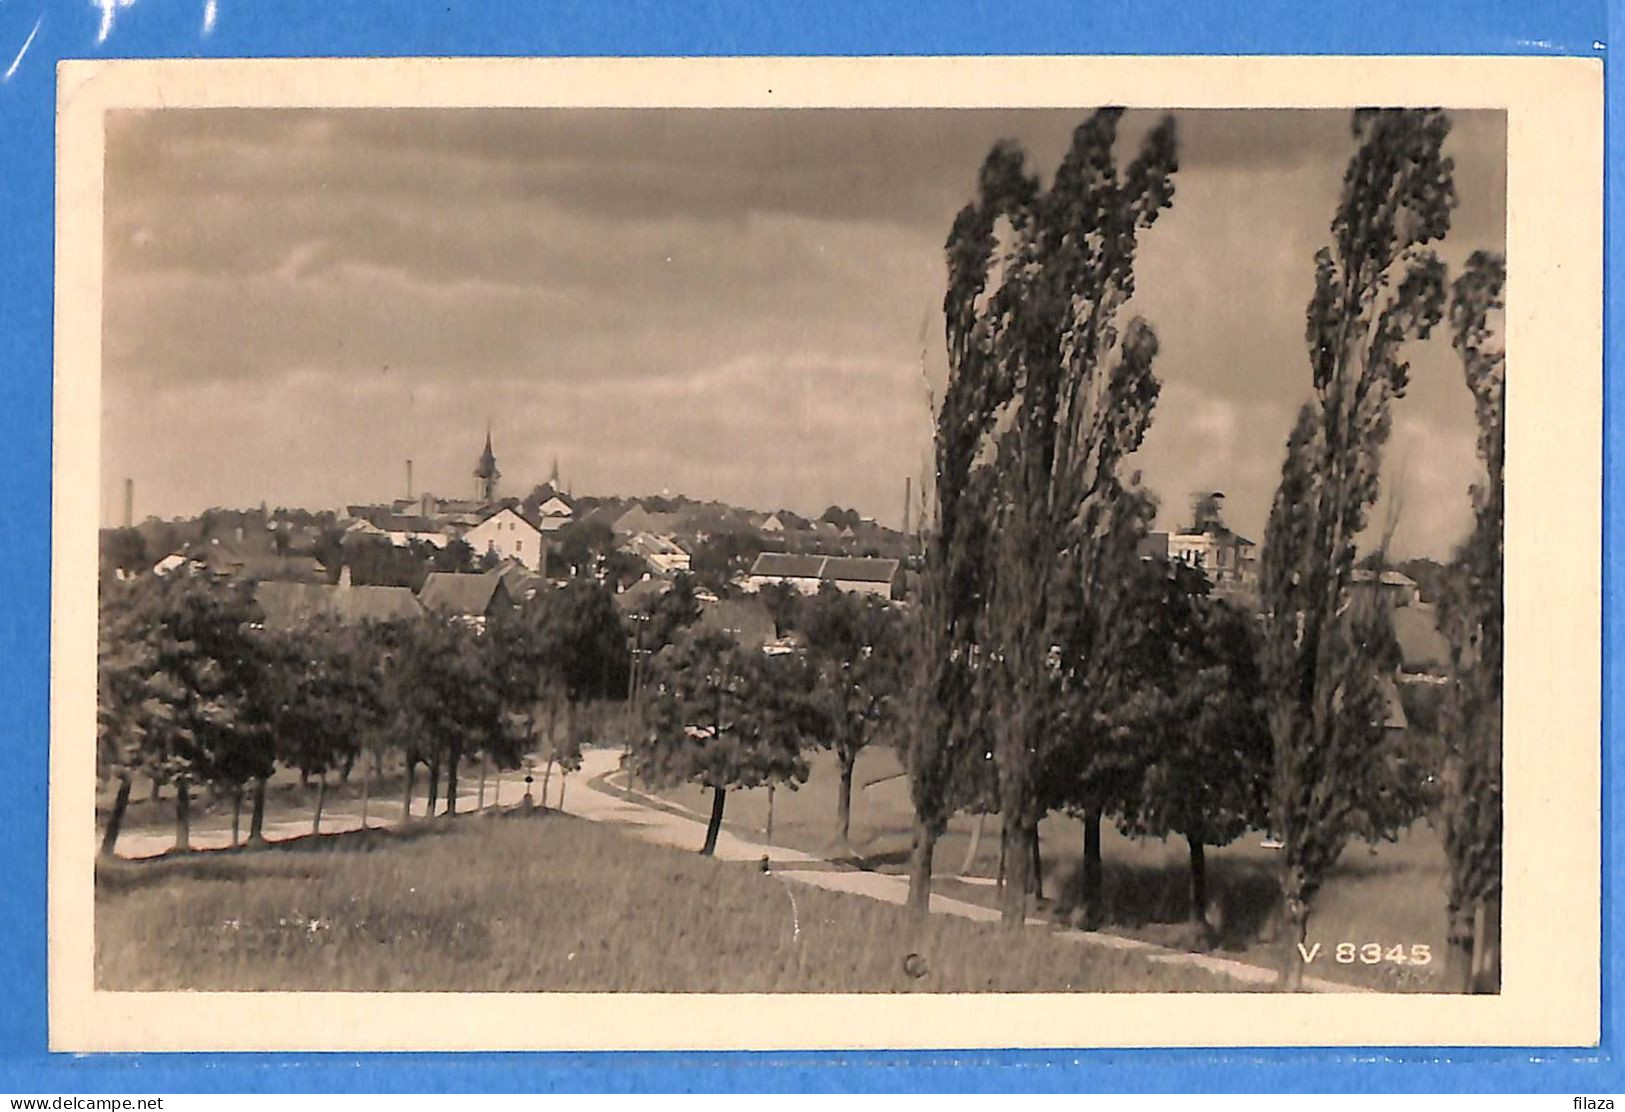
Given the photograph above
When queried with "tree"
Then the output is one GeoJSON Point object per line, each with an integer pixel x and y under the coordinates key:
{"type": "Point", "coordinates": [1473, 622]}
{"type": "Point", "coordinates": [125, 550]}
{"type": "Point", "coordinates": [722, 554]}
{"type": "Point", "coordinates": [178, 670]}
{"type": "Point", "coordinates": [1038, 280]}
{"type": "Point", "coordinates": [1107, 647]}
{"type": "Point", "coordinates": [854, 644]}
{"type": "Point", "coordinates": [1376, 288]}
{"type": "Point", "coordinates": [450, 700]}
{"type": "Point", "coordinates": [723, 717]}
{"type": "Point", "coordinates": [1195, 720]}
{"type": "Point", "coordinates": [456, 556]}
{"type": "Point", "coordinates": [784, 603]}
{"type": "Point", "coordinates": [673, 610]}
{"type": "Point", "coordinates": [135, 701]}
{"type": "Point", "coordinates": [551, 656]}
{"type": "Point", "coordinates": [327, 699]}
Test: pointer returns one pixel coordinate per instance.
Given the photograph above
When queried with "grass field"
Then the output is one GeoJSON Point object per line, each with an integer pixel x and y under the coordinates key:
{"type": "Point", "coordinates": [545, 902]}
{"type": "Point", "coordinates": [1392, 895]}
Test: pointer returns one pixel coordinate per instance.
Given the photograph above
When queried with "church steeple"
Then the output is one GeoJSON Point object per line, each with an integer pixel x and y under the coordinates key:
{"type": "Point", "coordinates": [486, 473]}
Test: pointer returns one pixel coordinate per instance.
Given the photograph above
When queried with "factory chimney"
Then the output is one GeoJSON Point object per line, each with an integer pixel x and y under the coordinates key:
{"type": "Point", "coordinates": [908, 497]}
{"type": "Point", "coordinates": [129, 503]}
{"type": "Point", "coordinates": [408, 480]}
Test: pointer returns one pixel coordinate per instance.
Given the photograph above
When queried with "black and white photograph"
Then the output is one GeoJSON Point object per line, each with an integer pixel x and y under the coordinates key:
{"type": "Point", "coordinates": [962, 551]}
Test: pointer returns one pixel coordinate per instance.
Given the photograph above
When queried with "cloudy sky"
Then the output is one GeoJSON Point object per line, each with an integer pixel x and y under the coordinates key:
{"type": "Point", "coordinates": [732, 304]}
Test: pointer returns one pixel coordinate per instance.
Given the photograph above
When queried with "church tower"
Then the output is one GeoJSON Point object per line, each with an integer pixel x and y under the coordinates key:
{"type": "Point", "coordinates": [486, 473]}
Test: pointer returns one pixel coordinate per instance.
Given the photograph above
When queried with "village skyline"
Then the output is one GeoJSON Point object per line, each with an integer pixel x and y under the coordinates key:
{"type": "Point", "coordinates": [683, 302]}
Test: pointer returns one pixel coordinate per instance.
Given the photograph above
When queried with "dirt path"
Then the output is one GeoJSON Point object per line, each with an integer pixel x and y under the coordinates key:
{"type": "Point", "coordinates": [664, 823]}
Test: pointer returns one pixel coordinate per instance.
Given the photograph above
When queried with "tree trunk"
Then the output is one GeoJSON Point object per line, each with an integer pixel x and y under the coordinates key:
{"type": "Point", "coordinates": [1092, 898]}
{"type": "Point", "coordinates": [256, 821]}
{"type": "Point", "coordinates": [975, 846]}
{"type": "Point", "coordinates": [156, 788]}
{"type": "Point", "coordinates": [434, 787]}
{"type": "Point", "coordinates": [236, 814]}
{"type": "Point", "coordinates": [411, 782]}
{"type": "Point", "coordinates": [1038, 867]}
{"type": "Point", "coordinates": [349, 766]}
{"type": "Point", "coordinates": [843, 801]}
{"type": "Point", "coordinates": [1295, 932]}
{"type": "Point", "coordinates": [919, 869]}
{"type": "Point", "coordinates": [116, 818]}
{"type": "Point", "coordinates": [768, 833]}
{"type": "Point", "coordinates": [367, 771]}
{"type": "Point", "coordinates": [451, 784]}
{"type": "Point", "coordinates": [1458, 969]}
{"type": "Point", "coordinates": [547, 777]}
{"type": "Point", "coordinates": [564, 778]}
{"type": "Point", "coordinates": [1486, 964]}
{"type": "Point", "coordinates": [718, 796]}
{"type": "Point", "coordinates": [1198, 878]}
{"type": "Point", "coordinates": [1004, 848]}
{"type": "Point", "coordinates": [321, 800]}
{"type": "Point", "coordinates": [1018, 879]}
{"type": "Point", "coordinates": [484, 769]}
{"type": "Point", "coordinates": [183, 817]}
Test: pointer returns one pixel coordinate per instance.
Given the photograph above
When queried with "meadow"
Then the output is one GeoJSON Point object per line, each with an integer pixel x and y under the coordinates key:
{"type": "Point", "coordinates": [532, 901]}
{"type": "Point", "coordinates": [1392, 894]}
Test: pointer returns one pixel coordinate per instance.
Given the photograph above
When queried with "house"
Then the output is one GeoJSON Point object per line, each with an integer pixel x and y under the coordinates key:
{"type": "Point", "coordinates": [554, 514]}
{"type": "Point", "coordinates": [640, 594]}
{"type": "Point", "coordinates": [465, 594]}
{"type": "Point", "coordinates": [773, 524]}
{"type": "Point", "coordinates": [289, 606]}
{"type": "Point", "coordinates": [243, 561]}
{"type": "Point", "coordinates": [639, 520]}
{"type": "Point", "coordinates": [521, 582]}
{"type": "Point", "coordinates": [663, 554]}
{"type": "Point", "coordinates": [506, 532]}
{"type": "Point", "coordinates": [403, 530]}
{"type": "Point", "coordinates": [807, 574]}
{"type": "Point", "coordinates": [1392, 587]}
{"type": "Point", "coordinates": [1225, 556]}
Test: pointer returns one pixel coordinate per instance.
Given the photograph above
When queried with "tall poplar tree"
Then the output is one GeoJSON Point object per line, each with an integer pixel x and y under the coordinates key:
{"type": "Point", "coordinates": [1473, 622]}
{"type": "Point", "coordinates": [1053, 391]}
{"type": "Point", "coordinates": [1376, 287]}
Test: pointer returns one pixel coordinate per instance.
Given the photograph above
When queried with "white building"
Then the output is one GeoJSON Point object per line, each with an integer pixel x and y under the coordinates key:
{"type": "Point", "coordinates": [509, 535]}
{"type": "Point", "coordinates": [808, 574]}
{"type": "Point", "coordinates": [554, 514]}
{"type": "Point", "coordinates": [663, 554]}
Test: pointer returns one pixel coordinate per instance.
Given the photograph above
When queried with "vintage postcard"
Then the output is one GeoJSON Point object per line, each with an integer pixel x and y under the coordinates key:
{"type": "Point", "coordinates": [826, 553]}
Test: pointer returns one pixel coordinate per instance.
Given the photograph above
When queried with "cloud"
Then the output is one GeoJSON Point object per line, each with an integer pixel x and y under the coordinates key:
{"type": "Point", "coordinates": [726, 303]}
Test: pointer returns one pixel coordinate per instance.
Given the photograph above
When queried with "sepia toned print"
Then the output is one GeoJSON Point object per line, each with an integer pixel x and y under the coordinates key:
{"type": "Point", "coordinates": [572, 548]}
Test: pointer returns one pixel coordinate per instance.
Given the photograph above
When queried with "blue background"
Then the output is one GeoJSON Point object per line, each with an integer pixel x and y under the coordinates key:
{"type": "Point", "coordinates": [269, 28]}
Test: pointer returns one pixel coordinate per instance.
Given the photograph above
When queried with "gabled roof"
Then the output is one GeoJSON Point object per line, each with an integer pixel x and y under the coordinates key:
{"type": "Point", "coordinates": [846, 569]}
{"type": "Point", "coordinates": [859, 569]}
{"type": "Point", "coordinates": [290, 605]}
{"type": "Point", "coordinates": [407, 523]}
{"type": "Point", "coordinates": [788, 565]}
{"type": "Point", "coordinates": [639, 520]}
{"type": "Point", "coordinates": [465, 593]}
{"type": "Point", "coordinates": [640, 593]}
{"type": "Point", "coordinates": [496, 509]}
